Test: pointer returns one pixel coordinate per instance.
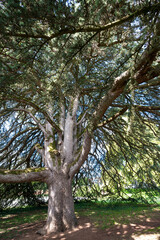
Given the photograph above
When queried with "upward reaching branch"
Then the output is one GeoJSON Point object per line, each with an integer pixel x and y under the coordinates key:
{"type": "Point", "coordinates": [140, 75]}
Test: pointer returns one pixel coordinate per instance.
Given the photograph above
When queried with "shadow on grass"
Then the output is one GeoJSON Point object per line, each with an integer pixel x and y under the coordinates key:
{"type": "Point", "coordinates": [129, 224]}
{"type": "Point", "coordinates": [87, 231]}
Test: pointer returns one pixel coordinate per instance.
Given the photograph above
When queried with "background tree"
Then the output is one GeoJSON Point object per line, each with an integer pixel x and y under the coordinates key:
{"type": "Point", "coordinates": [21, 194]}
{"type": "Point", "coordinates": [69, 71]}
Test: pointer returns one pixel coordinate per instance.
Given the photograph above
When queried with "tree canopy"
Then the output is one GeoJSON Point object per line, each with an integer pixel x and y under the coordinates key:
{"type": "Point", "coordinates": [79, 90]}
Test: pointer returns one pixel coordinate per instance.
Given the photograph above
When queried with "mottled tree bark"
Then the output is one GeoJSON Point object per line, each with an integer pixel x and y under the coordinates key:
{"type": "Point", "coordinates": [61, 214]}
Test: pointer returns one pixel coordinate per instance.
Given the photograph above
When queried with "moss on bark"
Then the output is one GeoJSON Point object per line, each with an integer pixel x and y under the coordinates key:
{"type": "Point", "coordinates": [20, 171]}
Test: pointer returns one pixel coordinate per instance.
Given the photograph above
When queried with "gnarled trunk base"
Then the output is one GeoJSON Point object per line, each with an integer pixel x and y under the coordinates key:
{"type": "Point", "coordinates": [61, 214]}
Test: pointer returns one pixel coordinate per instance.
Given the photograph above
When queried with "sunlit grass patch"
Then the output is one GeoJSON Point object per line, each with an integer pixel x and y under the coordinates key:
{"type": "Point", "coordinates": [110, 214]}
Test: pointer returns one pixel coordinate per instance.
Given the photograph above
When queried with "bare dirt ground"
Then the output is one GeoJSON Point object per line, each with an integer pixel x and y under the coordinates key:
{"type": "Point", "coordinates": [141, 229]}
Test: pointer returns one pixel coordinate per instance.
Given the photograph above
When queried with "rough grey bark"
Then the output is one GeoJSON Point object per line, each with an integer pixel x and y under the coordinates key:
{"type": "Point", "coordinates": [27, 175]}
{"type": "Point", "coordinates": [61, 214]}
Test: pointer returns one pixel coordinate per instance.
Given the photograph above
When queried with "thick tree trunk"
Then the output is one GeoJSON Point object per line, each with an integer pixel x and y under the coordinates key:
{"type": "Point", "coordinates": [61, 214]}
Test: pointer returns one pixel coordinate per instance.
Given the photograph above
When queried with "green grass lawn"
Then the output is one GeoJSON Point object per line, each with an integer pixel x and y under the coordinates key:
{"type": "Point", "coordinates": [10, 220]}
{"type": "Point", "coordinates": [103, 215]}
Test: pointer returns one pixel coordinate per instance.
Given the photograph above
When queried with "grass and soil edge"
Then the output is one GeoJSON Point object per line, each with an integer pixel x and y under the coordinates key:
{"type": "Point", "coordinates": [103, 215]}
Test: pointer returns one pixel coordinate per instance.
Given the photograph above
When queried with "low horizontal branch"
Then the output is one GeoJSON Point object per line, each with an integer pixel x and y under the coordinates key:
{"type": "Point", "coordinates": [25, 175]}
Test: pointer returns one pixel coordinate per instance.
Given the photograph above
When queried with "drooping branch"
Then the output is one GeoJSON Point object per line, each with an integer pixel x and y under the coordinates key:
{"type": "Point", "coordinates": [147, 108]}
{"type": "Point", "coordinates": [26, 175]}
{"type": "Point", "coordinates": [29, 102]}
{"type": "Point", "coordinates": [150, 109]}
{"type": "Point", "coordinates": [33, 117]}
{"type": "Point", "coordinates": [26, 160]}
{"type": "Point", "coordinates": [152, 83]}
{"type": "Point", "coordinates": [140, 108]}
{"type": "Point", "coordinates": [139, 75]}
{"type": "Point", "coordinates": [16, 136]}
{"type": "Point", "coordinates": [116, 115]}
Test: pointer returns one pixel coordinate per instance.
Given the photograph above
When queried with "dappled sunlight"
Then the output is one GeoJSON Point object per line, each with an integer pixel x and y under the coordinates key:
{"type": "Point", "coordinates": [8, 216]}
{"type": "Point", "coordinates": [132, 232]}
{"type": "Point", "coordinates": [147, 237]}
{"type": "Point", "coordinates": [95, 222]}
{"type": "Point", "coordinates": [87, 231]}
